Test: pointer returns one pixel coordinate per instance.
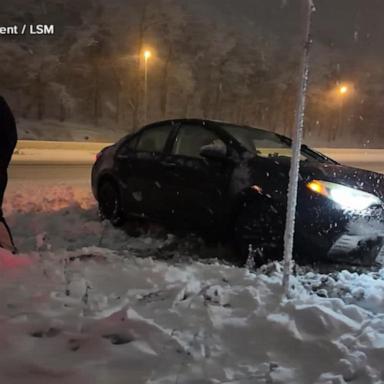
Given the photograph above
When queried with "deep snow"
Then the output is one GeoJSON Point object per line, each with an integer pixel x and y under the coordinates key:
{"type": "Point", "coordinates": [89, 308]}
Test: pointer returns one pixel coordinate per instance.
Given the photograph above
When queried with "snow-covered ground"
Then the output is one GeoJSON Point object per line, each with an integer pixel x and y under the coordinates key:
{"type": "Point", "coordinates": [87, 308]}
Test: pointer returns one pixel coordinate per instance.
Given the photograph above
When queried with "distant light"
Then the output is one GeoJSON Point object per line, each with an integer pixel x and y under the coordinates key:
{"type": "Point", "coordinates": [343, 89]}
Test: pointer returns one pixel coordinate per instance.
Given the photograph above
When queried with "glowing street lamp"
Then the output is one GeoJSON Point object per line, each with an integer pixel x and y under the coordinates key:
{"type": "Point", "coordinates": [147, 55]}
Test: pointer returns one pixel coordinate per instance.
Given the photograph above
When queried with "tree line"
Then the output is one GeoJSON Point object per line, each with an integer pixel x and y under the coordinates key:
{"type": "Point", "coordinates": [92, 71]}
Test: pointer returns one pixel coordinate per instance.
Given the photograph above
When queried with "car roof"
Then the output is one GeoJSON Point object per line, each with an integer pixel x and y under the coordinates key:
{"type": "Point", "coordinates": [207, 121]}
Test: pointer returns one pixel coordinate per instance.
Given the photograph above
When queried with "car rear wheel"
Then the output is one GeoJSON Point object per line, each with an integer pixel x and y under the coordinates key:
{"type": "Point", "coordinates": [110, 203]}
{"type": "Point", "coordinates": [259, 234]}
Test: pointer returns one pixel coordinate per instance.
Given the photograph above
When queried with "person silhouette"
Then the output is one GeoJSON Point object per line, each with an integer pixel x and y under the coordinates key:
{"type": "Point", "coordinates": [8, 140]}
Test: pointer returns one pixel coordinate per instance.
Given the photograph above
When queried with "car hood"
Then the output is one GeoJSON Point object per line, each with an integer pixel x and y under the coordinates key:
{"type": "Point", "coordinates": [364, 180]}
{"type": "Point", "coordinates": [367, 181]}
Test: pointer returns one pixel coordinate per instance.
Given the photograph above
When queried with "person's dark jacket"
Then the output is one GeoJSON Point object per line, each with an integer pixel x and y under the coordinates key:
{"type": "Point", "coordinates": [8, 134]}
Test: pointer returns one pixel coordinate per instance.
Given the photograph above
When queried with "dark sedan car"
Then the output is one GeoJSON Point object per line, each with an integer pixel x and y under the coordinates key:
{"type": "Point", "coordinates": [229, 183]}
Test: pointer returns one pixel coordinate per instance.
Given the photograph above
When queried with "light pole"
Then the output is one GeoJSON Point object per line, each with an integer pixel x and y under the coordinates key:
{"type": "Point", "coordinates": [147, 55]}
{"type": "Point", "coordinates": [343, 91]}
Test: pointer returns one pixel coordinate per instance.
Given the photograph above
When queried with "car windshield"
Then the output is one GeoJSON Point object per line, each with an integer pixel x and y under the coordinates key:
{"type": "Point", "coordinates": [268, 144]}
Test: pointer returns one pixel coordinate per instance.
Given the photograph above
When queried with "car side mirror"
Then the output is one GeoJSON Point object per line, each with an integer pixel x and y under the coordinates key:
{"type": "Point", "coordinates": [214, 151]}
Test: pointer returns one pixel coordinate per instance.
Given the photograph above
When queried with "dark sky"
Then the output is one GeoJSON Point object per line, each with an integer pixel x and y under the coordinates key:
{"type": "Point", "coordinates": [337, 23]}
{"type": "Point", "coordinates": [339, 20]}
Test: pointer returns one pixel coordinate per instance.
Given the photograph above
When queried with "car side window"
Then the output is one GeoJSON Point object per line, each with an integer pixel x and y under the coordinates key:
{"type": "Point", "coordinates": [191, 138]}
{"type": "Point", "coordinates": [154, 139]}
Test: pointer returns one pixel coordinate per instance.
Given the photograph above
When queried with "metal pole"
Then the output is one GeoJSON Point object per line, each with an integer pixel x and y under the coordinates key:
{"type": "Point", "coordinates": [341, 120]}
{"type": "Point", "coordinates": [296, 149]}
{"type": "Point", "coordinates": [146, 89]}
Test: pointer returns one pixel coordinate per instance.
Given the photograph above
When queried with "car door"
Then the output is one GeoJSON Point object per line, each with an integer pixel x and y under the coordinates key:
{"type": "Point", "coordinates": [139, 170]}
{"type": "Point", "coordinates": [197, 186]}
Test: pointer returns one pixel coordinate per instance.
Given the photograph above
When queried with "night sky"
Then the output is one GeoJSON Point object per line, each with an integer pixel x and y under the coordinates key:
{"type": "Point", "coordinates": [354, 26]}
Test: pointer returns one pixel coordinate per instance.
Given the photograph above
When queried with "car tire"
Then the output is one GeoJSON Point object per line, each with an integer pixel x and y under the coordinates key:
{"type": "Point", "coordinates": [259, 226]}
{"type": "Point", "coordinates": [110, 203]}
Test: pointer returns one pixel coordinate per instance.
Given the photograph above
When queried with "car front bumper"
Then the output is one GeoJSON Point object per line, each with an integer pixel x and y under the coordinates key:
{"type": "Point", "coordinates": [329, 234]}
{"type": "Point", "coordinates": [357, 249]}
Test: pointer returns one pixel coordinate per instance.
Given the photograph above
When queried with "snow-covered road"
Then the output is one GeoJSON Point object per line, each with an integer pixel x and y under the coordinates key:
{"type": "Point", "coordinates": [89, 310]}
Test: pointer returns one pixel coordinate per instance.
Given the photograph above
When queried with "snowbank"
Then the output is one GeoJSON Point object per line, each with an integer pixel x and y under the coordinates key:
{"type": "Point", "coordinates": [88, 310]}
{"type": "Point", "coordinates": [50, 129]}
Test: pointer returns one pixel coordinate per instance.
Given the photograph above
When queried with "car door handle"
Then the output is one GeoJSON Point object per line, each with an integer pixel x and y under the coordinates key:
{"type": "Point", "coordinates": [170, 164]}
{"type": "Point", "coordinates": [124, 157]}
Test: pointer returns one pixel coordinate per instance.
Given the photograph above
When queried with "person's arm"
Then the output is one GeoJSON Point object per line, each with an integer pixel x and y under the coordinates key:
{"type": "Point", "coordinates": [8, 131]}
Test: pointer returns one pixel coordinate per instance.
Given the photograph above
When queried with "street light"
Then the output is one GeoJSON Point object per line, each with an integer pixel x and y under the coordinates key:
{"type": "Point", "coordinates": [147, 55]}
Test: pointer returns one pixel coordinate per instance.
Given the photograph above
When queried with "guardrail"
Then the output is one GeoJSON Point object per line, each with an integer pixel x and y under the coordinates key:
{"type": "Point", "coordinates": [354, 154]}
{"type": "Point", "coordinates": [56, 153]}
{"type": "Point", "coordinates": [371, 159]}
{"type": "Point", "coordinates": [84, 153]}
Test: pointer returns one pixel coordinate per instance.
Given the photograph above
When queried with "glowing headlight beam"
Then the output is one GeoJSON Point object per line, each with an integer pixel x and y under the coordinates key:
{"type": "Point", "coordinates": [349, 199]}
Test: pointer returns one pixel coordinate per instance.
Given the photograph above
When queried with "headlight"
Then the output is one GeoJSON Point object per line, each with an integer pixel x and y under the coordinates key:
{"type": "Point", "coordinates": [348, 198]}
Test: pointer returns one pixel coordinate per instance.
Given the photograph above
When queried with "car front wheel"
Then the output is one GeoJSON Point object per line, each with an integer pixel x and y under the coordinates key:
{"type": "Point", "coordinates": [110, 203]}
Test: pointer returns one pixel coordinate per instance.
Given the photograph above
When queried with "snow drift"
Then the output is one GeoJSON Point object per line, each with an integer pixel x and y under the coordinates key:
{"type": "Point", "coordinates": [88, 310]}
